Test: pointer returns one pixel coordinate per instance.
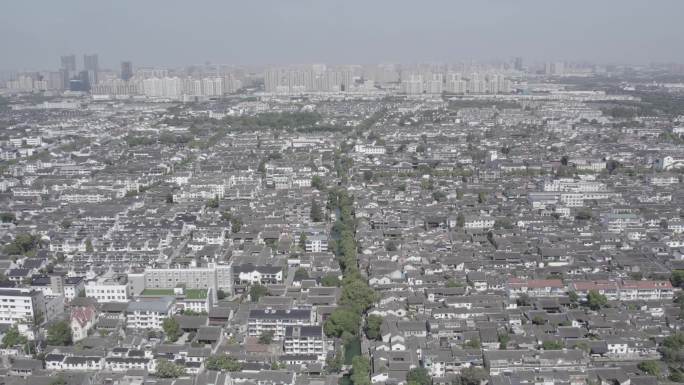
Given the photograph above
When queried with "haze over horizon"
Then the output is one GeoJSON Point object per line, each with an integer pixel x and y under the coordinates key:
{"type": "Point", "coordinates": [157, 32]}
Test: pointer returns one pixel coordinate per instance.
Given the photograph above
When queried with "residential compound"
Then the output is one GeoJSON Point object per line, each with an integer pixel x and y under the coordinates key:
{"type": "Point", "coordinates": [327, 224]}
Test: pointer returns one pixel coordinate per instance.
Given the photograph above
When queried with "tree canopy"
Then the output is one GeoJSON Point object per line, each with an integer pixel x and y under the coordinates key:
{"type": "Point", "coordinates": [171, 329]}
{"type": "Point", "coordinates": [59, 334]}
{"type": "Point", "coordinates": [342, 320]}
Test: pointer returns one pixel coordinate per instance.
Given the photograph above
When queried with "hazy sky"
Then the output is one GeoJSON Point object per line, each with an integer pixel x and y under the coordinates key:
{"type": "Point", "coordinates": [33, 34]}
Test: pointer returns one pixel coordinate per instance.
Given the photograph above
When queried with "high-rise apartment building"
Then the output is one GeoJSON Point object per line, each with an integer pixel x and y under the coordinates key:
{"type": "Point", "coordinates": [90, 64]}
{"type": "Point", "coordinates": [126, 70]}
{"type": "Point", "coordinates": [68, 63]}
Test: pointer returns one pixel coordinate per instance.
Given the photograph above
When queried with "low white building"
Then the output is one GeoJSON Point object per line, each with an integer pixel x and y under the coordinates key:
{"type": "Point", "coordinates": [107, 290]}
{"type": "Point", "coordinates": [149, 313]}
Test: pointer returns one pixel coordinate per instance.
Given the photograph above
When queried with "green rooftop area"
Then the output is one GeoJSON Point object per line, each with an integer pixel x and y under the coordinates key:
{"type": "Point", "coordinates": [158, 292]}
{"type": "Point", "coordinates": [195, 293]}
{"type": "Point", "coordinates": [189, 293]}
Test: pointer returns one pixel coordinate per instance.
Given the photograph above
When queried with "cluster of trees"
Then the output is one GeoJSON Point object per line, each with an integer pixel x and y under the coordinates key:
{"type": "Point", "coordinates": [171, 329]}
{"type": "Point", "coordinates": [13, 338]}
{"type": "Point", "coordinates": [212, 203]}
{"type": "Point", "coordinates": [235, 222]}
{"type": "Point", "coordinates": [257, 291]}
{"type": "Point", "coordinates": [552, 345]}
{"type": "Point", "coordinates": [342, 165]}
{"type": "Point", "coordinates": [360, 373]}
{"type": "Point", "coordinates": [677, 278]}
{"type": "Point", "coordinates": [650, 367]}
{"type": "Point", "coordinates": [672, 352]}
{"type": "Point", "coordinates": [59, 334]}
{"type": "Point", "coordinates": [266, 338]}
{"type": "Point", "coordinates": [418, 376]}
{"type": "Point", "coordinates": [356, 297]}
{"type": "Point", "coordinates": [274, 120]}
{"type": "Point", "coordinates": [594, 300]}
{"type": "Point", "coordinates": [7, 218]}
{"type": "Point", "coordinates": [167, 369]}
{"type": "Point", "coordinates": [471, 376]}
{"type": "Point", "coordinates": [223, 362]}
{"type": "Point", "coordinates": [316, 212]}
{"type": "Point", "coordinates": [331, 280]}
{"type": "Point", "coordinates": [373, 323]}
{"type": "Point", "coordinates": [317, 183]}
{"type": "Point", "coordinates": [22, 244]}
{"type": "Point", "coordinates": [333, 364]}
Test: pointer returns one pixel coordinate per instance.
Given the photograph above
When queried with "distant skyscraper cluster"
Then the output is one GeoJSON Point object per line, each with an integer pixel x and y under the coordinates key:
{"type": "Point", "coordinates": [318, 78]}
{"type": "Point", "coordinates": [455, 83]}
{"type": "Point", "coordinates": [211, 81]}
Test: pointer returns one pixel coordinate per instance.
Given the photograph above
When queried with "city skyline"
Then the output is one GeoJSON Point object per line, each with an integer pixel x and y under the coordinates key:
{"type": "Point", "coordinates": [273, 33]}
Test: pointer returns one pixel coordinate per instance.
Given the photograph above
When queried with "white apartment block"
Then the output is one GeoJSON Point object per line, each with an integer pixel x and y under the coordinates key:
{"type": "Point", "coordinates": [276, 321]}
{"type": "Point", "coordinates": [369, 150]}
{"type": "Point", "coordinates": [149, 313]}
{"type": "Point", "coordinates": [21, 306]}
{"type": "Point", "coordinates": [107, 290]}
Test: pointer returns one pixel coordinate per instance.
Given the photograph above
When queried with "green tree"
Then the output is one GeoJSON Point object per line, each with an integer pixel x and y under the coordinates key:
{"type": "Point", "coordinates": [360, 374]}
{"type": "Point", "coordinates": [88, 245]}
{"type": "Point", "coordinates": [13, 338]}
{"type": "Point", "coordinates": [316, 212]}
{"type": "Point", "coordinates": [676, 375]}
{"type": "Point", "coordinates": [301, 274]}
{"type": "Point", "coordinates": [59, 334]}
{"type": "Point", "coordinates": [460, 221]}
{"type": "Point", "coordinates": [481, 197]}
{"type": "Point", "coordinates": [257, 291]}
{"type": "Point", "coordinates": [523, 300]}
{"type": "Point", "coordinates": [471, 376]}
{"type": "Point", "coordinates": [235, 225]}
{"type": "Point", "coordinates": [213, 203]}
{"type": "Point", "coordinates": [171, 329]}
{"type": "Point", "coordinates": [7, 218]}
{"type": "Point", "coordinates": [266, 338]}
{"type": "Point", "coordinates": [418, 376]}
{"type": "Point", "coordinates": [317, 183]}
{"type": "Point", "coordinates": [596, 300]}
{"type": "Point", "coordinates": [358, 295]}
{"type": "Point", "coordinates": [649, 367]}
{"type": "Point", "coordinates": [453, 283]}
{"type": "Point", "coordinates": [368, 175]}
{"type": "Point", "coordinates": [223, 362]}
{"type": "Point", "coordinates": [438, 196]}
{"type": "Point", "coordinates": [504, 338]}
{"type": "Point", "coordinates": [503, 223]}
{"type": "Point", "coordinates": [573, 297]}
{"type": "Point", "coordinates": [538, 320]}
{"type": "Point", "coordinates": [22, 244]}
{"type": "Point", "coordinates": [677, 278]}
{"type": "Point", "coordinates": [220, 294]}
{"type": "Point", "coordinates": [334, 363]}
{"type": "Point", "coordinates": [59, 380]}
{"type": "Point", "coordinates": [373, 323]}
{"type": "Point", "coordinates": [167, 369]}
{"type": "Point", "coordinates": [330, 280]}
{"type": "Point", "coordinates": [302, 241]}
{"type": "Point", "coordinates": [552, 345]}
{"type": "Point", "coordinates": [342, 320]}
